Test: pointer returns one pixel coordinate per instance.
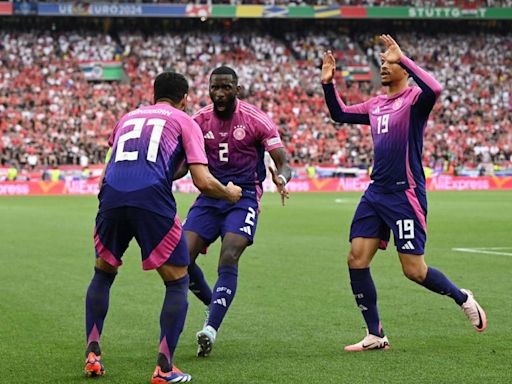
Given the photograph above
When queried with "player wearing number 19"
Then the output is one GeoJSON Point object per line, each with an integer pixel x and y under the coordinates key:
{"type": "Point", "coordinates": [135, 200]}
{"type": "Point", "coordinates": [396, 198]}
{"type": "Point", "coordinates": [236, 134]}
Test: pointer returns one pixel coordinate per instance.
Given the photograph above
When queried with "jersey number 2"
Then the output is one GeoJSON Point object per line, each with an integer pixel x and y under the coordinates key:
{"type": "Point", "coordinates": [154, 141]}
{"type": "Point", "coordinates": [223, 152]}
{"type": "Point", "coordinates": [251, 215]}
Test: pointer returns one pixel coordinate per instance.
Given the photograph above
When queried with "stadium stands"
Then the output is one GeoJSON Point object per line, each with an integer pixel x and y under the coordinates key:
{"type": "Point", "coordinates": [51, 115]}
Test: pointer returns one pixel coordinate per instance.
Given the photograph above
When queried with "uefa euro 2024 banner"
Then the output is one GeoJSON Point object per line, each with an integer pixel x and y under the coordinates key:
{"type": "Point", "coordinates": [119, 9]}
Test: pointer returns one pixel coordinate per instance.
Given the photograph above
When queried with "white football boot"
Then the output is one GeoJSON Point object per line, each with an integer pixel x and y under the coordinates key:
{"type": "Point", "coordinates": [474, 312]}
{"type": "Point", "coordinates": [370, 342]}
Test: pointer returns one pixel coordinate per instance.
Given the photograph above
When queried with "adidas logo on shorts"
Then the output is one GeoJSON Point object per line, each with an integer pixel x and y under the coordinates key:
{"type": "Point", "coordinates": [246, 229]}
{"type": "Point", "coordinates": [408, 245]}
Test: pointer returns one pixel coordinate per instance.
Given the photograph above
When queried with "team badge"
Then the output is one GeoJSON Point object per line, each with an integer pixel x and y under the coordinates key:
{"type": "Point", "coordinates": [239, 132]}
{"type": "Point", "coordinates": [397, 104]}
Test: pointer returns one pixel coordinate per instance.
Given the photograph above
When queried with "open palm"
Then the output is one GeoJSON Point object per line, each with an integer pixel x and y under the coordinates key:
{"type": "Point", "coordinates": [328, 67]}
{"type": "Point", "coordinates": [393, 52]}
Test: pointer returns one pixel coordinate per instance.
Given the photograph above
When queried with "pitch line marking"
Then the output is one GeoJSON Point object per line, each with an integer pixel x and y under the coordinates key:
{"type": "Point", "coordinates": [487, 250]}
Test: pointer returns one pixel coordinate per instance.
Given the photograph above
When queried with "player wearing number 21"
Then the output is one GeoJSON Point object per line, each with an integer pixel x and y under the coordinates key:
{"type": "Point", "coordinates": [236, 135]}
{"type": "Point", "coordinates": [396, 198]}
{"type": "Point", "coordinates": [135, 200]}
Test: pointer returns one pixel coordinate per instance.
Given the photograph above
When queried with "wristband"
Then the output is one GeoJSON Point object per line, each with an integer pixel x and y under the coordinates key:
{"type": "Point", "coordinates": [283, 179]}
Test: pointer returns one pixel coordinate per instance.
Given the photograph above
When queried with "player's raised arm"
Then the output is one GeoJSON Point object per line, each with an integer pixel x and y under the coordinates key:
{"type": "Point", "coordinates": [340, 112]}
{"type": "Point", "coordinates": [431, 89]}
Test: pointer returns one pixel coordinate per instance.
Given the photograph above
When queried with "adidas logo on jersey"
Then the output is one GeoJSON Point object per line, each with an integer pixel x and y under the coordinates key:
{"type": "Point", "coordinates": [408, 245]}
{"type": "Point", "coordinates": [209, 135]}
{"type": "Point", "coordinates": [221, 301]}
{"type": "Point", "coordinates": [246, 229]}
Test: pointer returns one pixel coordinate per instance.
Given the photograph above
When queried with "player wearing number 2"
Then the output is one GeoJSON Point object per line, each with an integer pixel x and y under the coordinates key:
{"type": "Point", "coordinates": [396, 198]}
{"type": "Point", "coordinates": [236, 134]}
{"type": "Point", "coordinates": [135, 200]}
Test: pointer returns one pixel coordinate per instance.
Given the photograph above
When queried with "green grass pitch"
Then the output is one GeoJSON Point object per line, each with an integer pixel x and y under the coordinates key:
{"type": "Point", "coordinates": [293, 312]}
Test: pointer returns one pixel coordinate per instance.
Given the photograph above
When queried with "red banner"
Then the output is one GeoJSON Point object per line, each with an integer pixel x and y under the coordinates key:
{"type": "Point", "coordinates": [463, 183]}
{"type": "Point", "coordinates": [71, 187]}
{"type": "Point", "coordinates": [90, 187]}
{"type": "Point", "coordinates": [5, 8]}
{"type": "Point", "coordinates": [441, 183]}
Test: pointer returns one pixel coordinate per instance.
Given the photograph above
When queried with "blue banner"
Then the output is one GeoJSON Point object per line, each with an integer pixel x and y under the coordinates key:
{"type": "Point", "coordinates": [110, 9]}
{"type": "Point", "coordinates": [25, 8]}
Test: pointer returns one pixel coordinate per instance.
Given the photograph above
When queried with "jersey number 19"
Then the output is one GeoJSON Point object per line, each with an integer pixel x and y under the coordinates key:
{"type": "Point", "coordinates": [382, 124]}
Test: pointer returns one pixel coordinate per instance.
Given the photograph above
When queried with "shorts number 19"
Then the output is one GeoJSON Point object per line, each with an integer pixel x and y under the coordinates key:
{"type": "Point", "coordinates": [405, 229]}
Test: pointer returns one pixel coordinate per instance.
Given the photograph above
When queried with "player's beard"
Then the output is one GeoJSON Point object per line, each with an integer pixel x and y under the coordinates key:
{"type": "Point", "coordinates": [228, 110]}
{"type": "Point", "coordinates": [386, 83]}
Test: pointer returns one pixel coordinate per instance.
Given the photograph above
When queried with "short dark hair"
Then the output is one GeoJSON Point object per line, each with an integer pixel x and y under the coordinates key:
{"type": "Point", "coordinates": [170, 85]}
{"type": "Point", "coordinates": [225, 71]}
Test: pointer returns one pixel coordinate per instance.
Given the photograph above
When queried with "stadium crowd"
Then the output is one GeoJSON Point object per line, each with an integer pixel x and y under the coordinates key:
{"type": "Point", "coordinates": [50, 115]}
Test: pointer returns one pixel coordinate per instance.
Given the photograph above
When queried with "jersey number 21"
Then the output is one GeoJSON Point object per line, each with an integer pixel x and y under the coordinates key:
{"type": "Point", "coordinates": [154, 141]}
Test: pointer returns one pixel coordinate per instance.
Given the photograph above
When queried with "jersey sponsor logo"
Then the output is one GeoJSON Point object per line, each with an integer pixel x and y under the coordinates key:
{"type": "Point", "coordinates": [209, 135]}
{"type": "Point", "coordinates": [397, 104]}
{"type": "Point", "coordinates": [239, 132]}
{"type": "Point", "coordinates": [408, 245]}
{"type": "Point", "coordinates": [246, 229]}
{"type": "Point", "coordinates": [273, 141]}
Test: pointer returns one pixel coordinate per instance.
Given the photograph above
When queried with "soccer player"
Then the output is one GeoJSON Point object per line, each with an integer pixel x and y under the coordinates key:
{"type": "Point", "coordinates": [236, 134]}
{"type": "Point", "coordinates": [135, 200]}
{"type": "Point", "coordinates": [396, 198]}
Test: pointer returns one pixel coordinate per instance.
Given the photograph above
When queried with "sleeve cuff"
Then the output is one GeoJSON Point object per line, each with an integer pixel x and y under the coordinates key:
{"type": "Point", "coordinates": [405, 61]}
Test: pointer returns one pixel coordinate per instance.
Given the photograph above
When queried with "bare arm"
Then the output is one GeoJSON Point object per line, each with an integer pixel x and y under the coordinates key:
{"type": "Point", "coordinates": [283, 174]}
{"type": "Point", "coordinates": [211, 187]}
{"type": "Point", "coordinates": [181, 171]}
